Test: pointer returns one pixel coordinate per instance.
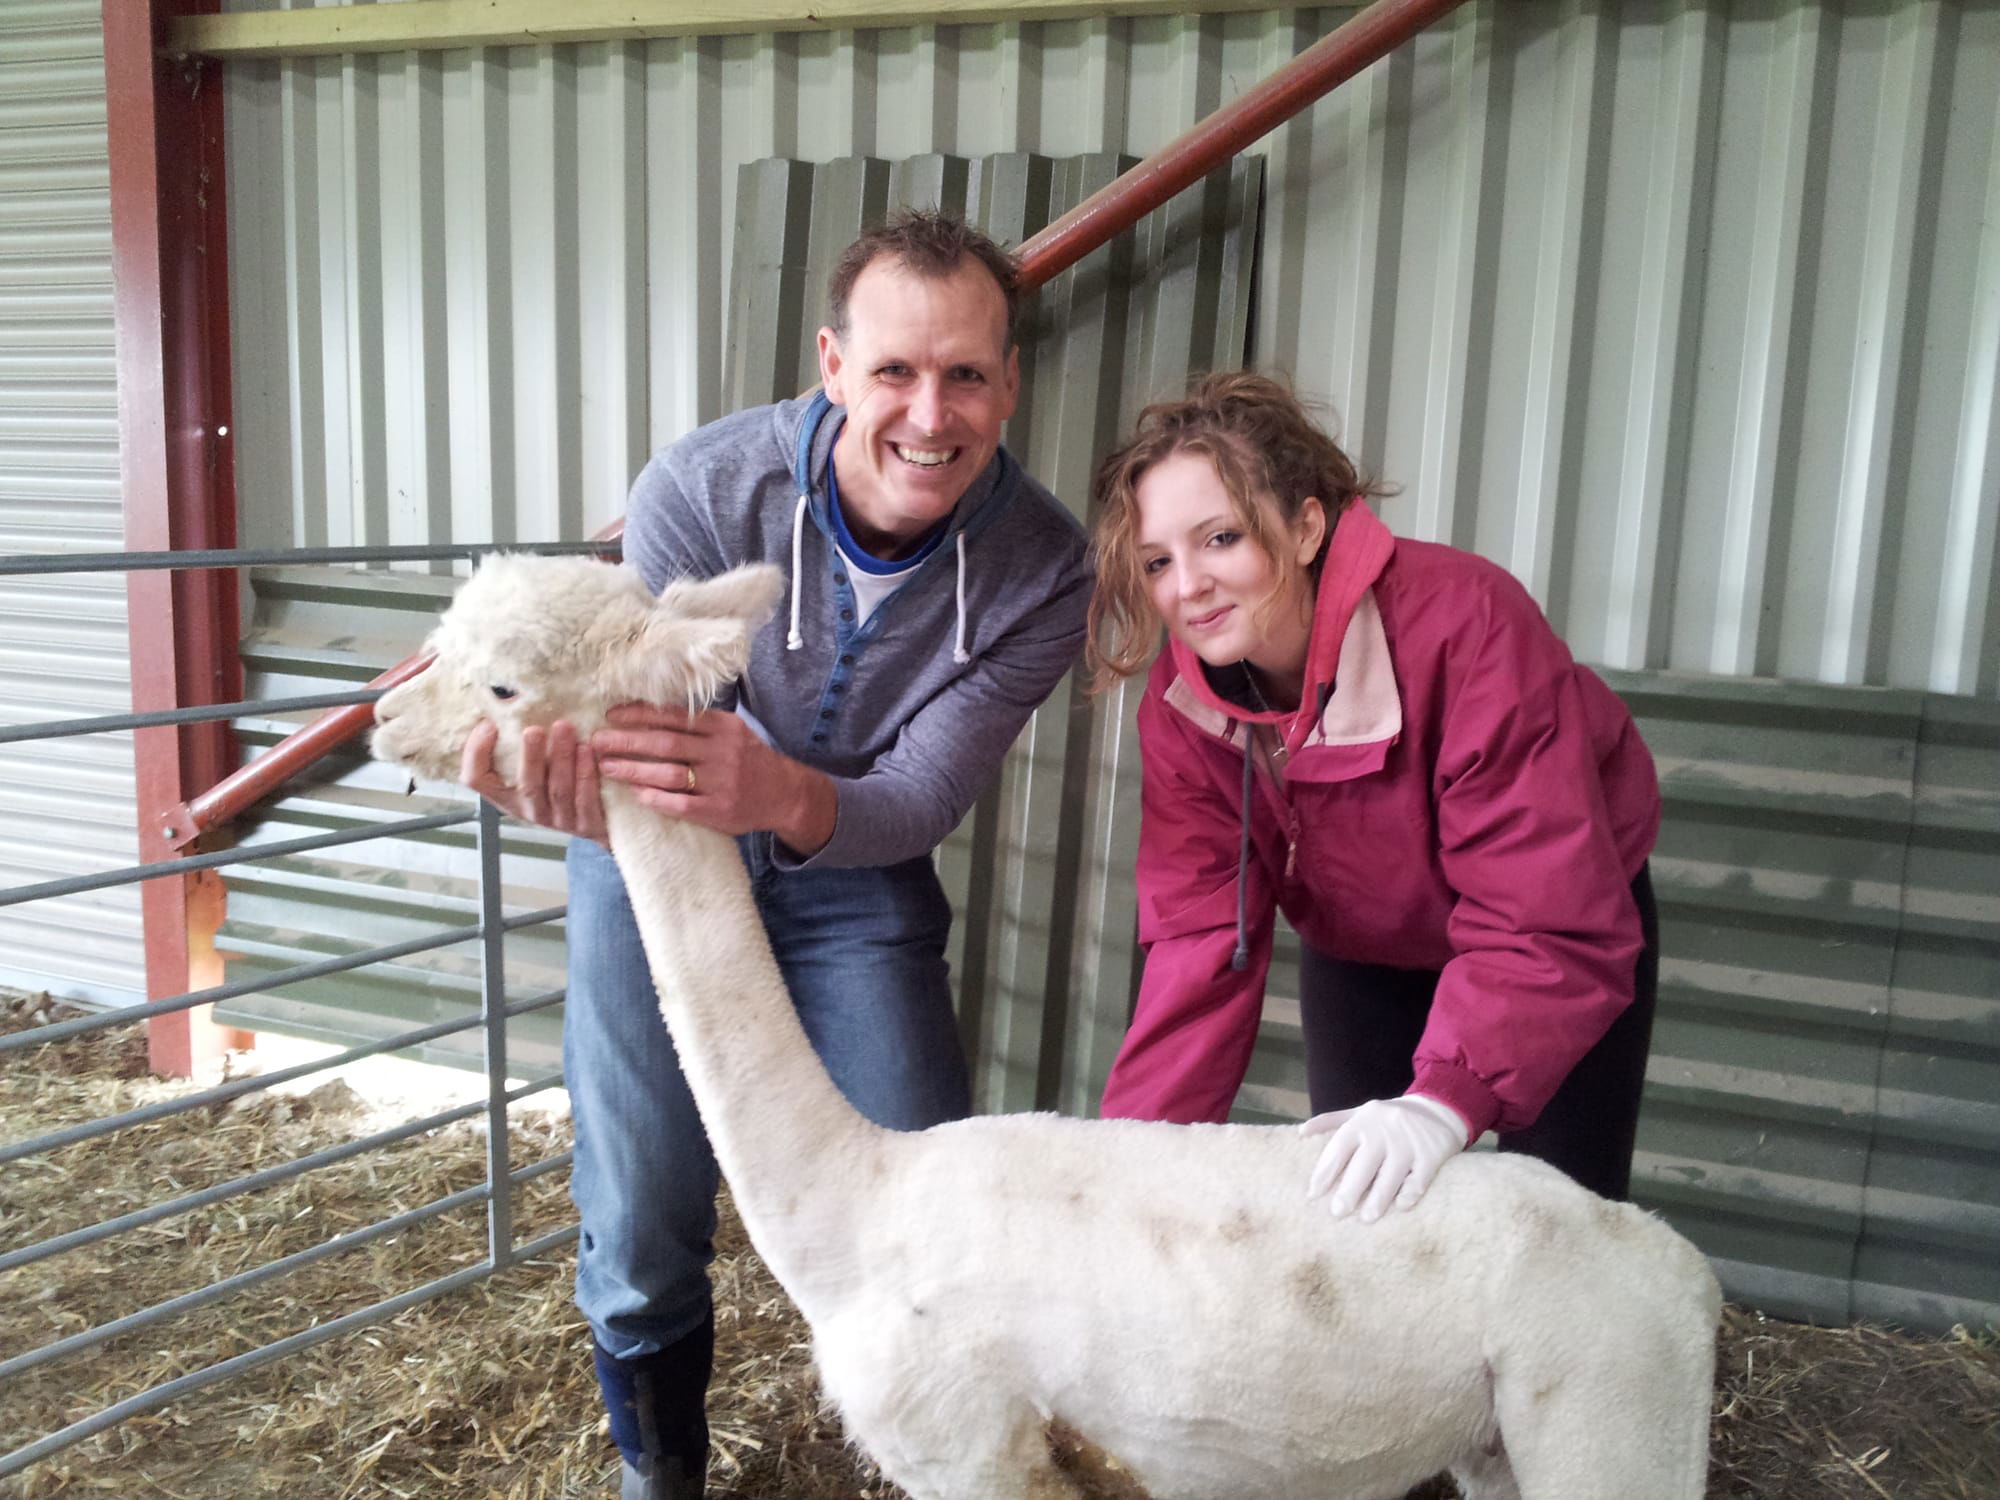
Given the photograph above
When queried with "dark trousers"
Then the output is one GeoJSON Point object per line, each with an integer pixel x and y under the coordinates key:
{"type": "Point", "coordinates": [1362, 1023]}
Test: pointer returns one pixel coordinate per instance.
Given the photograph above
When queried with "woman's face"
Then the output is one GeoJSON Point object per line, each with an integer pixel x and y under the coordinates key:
{"type": "Point", "coordinates": [1219, 592]}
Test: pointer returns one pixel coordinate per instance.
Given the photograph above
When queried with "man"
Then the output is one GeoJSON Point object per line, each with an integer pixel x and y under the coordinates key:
{"type": "Point", "coordinates": [936, 596]}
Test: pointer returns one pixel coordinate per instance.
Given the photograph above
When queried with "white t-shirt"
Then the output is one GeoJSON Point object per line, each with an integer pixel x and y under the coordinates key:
{"type": "Point", "coordinates": [870, 589]}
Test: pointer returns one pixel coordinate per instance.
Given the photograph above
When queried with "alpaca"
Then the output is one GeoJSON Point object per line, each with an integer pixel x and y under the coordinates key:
{"type": "Point", "coordinates": [1031, 1307]}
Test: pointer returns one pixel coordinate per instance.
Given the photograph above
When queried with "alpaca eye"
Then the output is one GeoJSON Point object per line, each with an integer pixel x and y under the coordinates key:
{"type": "Point", "coordinates": [503, 693]}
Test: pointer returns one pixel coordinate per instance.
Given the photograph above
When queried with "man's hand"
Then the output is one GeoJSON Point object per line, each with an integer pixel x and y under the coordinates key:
{"type": "Point", "coordinates": [710, 768]}
{"type": "Point", "coordinates": [1389, 1149]}
{"type": "Point", "coordinates": [558, 786]}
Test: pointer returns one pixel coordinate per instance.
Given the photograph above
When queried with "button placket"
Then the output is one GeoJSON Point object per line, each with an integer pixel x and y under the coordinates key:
{"type": "Point", "coordinates": [848, 642]}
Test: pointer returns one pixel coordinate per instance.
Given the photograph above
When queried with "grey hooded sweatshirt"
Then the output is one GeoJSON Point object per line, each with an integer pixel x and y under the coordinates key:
{"type": "Point", "coordinates": [910, 734]}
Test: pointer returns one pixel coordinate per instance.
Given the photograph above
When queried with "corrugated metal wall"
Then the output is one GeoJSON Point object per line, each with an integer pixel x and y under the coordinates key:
{"type": "Point", "coordinates": [66, 807]}
{"type": "Point", "coordinates": [1688, 315]}
{"type": "Point", "coordinates": [1931, 1208]}
{"type": "Point", "coordinates": [1823, 1101]}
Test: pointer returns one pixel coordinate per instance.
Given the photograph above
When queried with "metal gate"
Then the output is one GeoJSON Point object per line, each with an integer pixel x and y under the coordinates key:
{"type": "Point", "coordinates": [485, 928]}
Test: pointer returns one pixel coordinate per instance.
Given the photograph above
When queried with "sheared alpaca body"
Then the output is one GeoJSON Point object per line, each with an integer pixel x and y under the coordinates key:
{"type": "Point", "coordinates": [1029, 1307]}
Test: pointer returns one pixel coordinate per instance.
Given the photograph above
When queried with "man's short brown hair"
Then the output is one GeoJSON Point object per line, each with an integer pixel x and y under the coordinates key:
{"type": "Point", "coordinates": [929, 242]}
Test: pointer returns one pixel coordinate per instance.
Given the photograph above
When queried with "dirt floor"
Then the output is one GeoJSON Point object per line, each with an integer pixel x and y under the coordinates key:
{"type": "Point", "coordinates": [486, 1393]}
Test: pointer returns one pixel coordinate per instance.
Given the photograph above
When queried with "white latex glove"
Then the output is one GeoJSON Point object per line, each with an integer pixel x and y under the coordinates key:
{"type": "Point", "coordinates": [1388, 1149]}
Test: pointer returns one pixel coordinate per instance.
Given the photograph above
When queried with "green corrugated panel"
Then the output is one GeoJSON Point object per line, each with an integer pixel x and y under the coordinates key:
{"type": "Point", "coordinates": [1053, 911]}
{"type": "Point", "coordinates": [1778, 872]}
{"type": "Point", "coordinates": [1929, 1253]}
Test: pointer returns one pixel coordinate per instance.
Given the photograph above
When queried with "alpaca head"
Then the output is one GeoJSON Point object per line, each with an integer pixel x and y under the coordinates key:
{"type": "Point", "coordinates": [529, 640]}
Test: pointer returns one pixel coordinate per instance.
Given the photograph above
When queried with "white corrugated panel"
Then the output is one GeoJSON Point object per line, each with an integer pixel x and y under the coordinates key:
{"type": "Point", "coordinates": [66, 806]}
{"type": "Point", "coordinates": [1690, 317]}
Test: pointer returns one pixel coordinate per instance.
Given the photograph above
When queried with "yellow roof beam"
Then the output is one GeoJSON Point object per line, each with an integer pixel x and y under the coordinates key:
{"type": "Point", "coordinates": [433, 24]}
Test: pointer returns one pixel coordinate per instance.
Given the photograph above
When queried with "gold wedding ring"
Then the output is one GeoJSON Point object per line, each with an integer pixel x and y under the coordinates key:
{"type": "Point", "coordinates": [690, 785]}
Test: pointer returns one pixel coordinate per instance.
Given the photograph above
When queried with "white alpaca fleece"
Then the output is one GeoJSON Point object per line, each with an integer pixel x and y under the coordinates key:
{"type": "Point", "coordinates": [1028, 1307]}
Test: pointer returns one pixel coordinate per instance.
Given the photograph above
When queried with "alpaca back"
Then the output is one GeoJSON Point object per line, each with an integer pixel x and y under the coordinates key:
{"type": "Point", "coordinates": [1169, 1291]}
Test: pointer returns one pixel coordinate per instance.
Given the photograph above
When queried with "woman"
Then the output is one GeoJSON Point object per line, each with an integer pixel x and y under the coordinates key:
{"type": "Point", "coordinates": [1384, 739]}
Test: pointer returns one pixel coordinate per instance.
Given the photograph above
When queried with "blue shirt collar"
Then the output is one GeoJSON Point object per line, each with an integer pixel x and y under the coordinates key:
{"type": "Point", "coordinates": [859, 556]}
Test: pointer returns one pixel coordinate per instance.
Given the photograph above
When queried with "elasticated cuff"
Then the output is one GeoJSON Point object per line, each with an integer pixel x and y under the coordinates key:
{"type": "Point", "coordinates": [1463, 1091]}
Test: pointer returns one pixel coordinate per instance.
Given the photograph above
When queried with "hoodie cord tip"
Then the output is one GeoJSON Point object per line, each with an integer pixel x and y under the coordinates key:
{"type": "Point", "coordinates": [1240, 959]}
{"type": "Point", "coordinates": [795, 639]}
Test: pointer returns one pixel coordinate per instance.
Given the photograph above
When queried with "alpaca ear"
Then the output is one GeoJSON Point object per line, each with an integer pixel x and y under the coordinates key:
{"type": "Point", "coordinates": [748, 594]}
{"type": "Point", "coordinates": [676, 659]}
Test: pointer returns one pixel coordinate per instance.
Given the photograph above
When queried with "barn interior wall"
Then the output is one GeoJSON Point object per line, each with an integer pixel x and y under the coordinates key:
{"type": "Point", "coordinates": [67, 807]}
{"type": "Point", "coordinates": [1690, 315]}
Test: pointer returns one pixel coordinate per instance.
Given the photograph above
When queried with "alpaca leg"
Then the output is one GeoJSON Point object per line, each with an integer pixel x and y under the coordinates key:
{"type": "Point", "coordinates": [1605, 1365]}
{"type": "Point", "coordinates": [1634, 1424]}
{"type": "Point", "coordinates": [942, 1430]}
{"type": "Point", "coordinates": [971, 1458]}
{"type": "Point", "coordinates": [1487, 1475]}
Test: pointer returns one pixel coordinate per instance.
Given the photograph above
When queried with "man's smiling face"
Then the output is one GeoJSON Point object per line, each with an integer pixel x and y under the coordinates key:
{"type": "Point", "coordinates": [927, 379]}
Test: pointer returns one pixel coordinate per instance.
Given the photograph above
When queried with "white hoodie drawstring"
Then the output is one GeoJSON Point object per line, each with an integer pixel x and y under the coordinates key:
{"type": "Point", "coordinates": [796, 640]}
{"type": "Point", "coordinates": [958, 652]}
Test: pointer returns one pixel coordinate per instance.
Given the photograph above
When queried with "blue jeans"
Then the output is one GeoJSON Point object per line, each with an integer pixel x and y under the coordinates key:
{"type": "Point", "coordinates": [862, 951]}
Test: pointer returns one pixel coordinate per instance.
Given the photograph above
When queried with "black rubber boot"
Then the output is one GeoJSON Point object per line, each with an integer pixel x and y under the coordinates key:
{"type": "Point", "coordinates": [657, 1404]}
{"type": "Point", "coordinates": [658, 1479]}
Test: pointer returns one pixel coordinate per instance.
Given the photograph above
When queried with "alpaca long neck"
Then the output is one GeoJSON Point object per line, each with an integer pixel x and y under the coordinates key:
{"type": "Point", "coordinates": [784, 1136]}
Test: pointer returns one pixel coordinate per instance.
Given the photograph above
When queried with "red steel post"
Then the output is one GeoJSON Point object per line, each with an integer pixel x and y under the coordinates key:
{"type": "Point", "coordinates": [170, 288]}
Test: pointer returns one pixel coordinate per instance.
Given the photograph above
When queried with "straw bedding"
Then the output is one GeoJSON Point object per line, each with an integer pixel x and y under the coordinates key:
{"type": "Point", "coordinates": [486, 1393]}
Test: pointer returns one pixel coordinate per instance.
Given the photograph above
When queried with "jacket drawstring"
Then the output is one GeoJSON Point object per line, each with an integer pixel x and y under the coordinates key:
{"type": "Point", "coordinates": [796, 640]}
{"type": "Point", "coordinates": [1240, 959]}
{"type": "Point", "coordinates": [958, 652]}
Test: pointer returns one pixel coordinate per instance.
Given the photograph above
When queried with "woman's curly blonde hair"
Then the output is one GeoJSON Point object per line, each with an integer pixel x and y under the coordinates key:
{"type": "Point", "coordinates": [1262, 441]}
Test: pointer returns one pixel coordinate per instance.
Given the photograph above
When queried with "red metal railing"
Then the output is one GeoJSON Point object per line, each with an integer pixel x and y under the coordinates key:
{"type": "Point", "coordinates": [1314, 73]}
{"type": "Point", "coordinates": [1322, 67]}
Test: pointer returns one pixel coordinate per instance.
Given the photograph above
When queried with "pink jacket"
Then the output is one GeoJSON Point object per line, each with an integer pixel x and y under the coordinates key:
{"type": "Point", "coordinates": [1468, 799]}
